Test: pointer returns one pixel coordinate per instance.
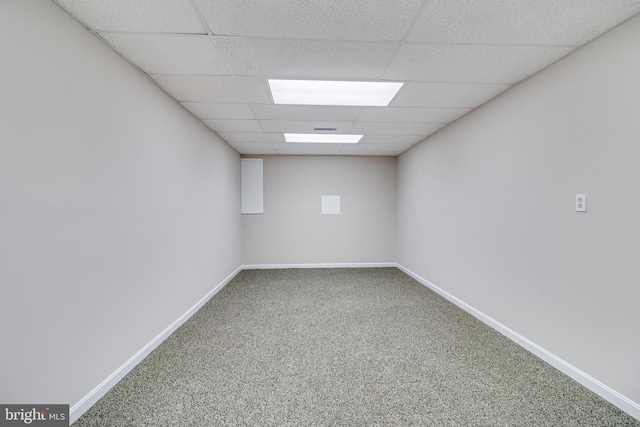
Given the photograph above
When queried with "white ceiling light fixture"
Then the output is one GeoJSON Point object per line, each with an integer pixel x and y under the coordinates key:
{"type": "Point", "coordinates": [322, 138]}
{"type": "Point", "coordinates": [320, 92]}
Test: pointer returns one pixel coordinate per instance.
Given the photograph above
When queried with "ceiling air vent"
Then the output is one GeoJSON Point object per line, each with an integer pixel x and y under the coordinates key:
{"type": "Point", "coordinates": [326, 129]}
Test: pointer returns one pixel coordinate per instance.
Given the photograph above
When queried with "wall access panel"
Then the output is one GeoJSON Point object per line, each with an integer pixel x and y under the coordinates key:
{"type": "Point", "coordinates": [251, 186]}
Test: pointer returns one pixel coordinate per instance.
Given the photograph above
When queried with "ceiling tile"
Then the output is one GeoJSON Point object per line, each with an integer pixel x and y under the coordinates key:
{"type": "Point", "coordinates": [380, 128]}
{"type": "Point", "coordinates": [222, 89]}
{"type": "Point", "coordinates": [251, 137]}
{"type": "Point", "coordinates": [376, 20]}
{"type": "Point", "coordinates": [454, 56]}
{"type": "Point", "coordinates": [169, 54]}
{"type": "Point", "coordinates": [391, 139]}
{"type": "Point", "coordinates": [359, 152]}
{"type": "Point", "coordinates": [305, 59]}
{"type": "Point", "coordinates": [411, 115]}
{"type": "Point", "coordinates": [304, 126]}
{"type": "Point", "coordinates": [491, 64]}
{"type": "Point", "coordinates": [234, 125]}
{"type": "Point", "coordinates": [548, 22]}
{"type": "Point", "coordinates": [446, 95]}
{"type": "Point", "coordinates": [376, 148]}
{"type": "Point", "coordinates": [366, 153]}
{"type": "Point", "coordinates": [293, 152]}
{"type": "Point", "coordinates": [153, 16]}
{"type": "Point", "coordinates": [306, 112]}
{"type": "Point", "coordinates": [307, 146]}
{"type": "Point", "coordinates": [251, 145]}
{"type": "Point", "coordinates": [267, 152]}
{"type": "Point", "coordinates": [213, 111]}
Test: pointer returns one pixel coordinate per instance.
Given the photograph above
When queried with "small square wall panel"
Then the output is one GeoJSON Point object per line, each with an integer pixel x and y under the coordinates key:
{"type": "Point", "coordinates": [330, 205]}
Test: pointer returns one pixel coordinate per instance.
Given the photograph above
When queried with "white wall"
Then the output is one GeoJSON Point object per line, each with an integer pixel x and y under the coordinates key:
{"type": "Point", "coordinates": [486, 209]}
{"type": "Point", "coordinates": [118, 210]}
{"type": "Point", "coordinates": [292, 229]}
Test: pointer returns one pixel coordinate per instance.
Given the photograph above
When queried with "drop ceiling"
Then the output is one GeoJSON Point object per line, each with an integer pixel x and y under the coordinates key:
{"type": "Point", "coordinates": [215, 56]}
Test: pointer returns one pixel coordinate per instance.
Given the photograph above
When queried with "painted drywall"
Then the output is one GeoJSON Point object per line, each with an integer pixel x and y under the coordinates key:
{"type": "Point", "coordinates": [118, 210]}
{"type": "Point", "coordinates": [486, 209]}
{"type": "Point", "coordinates": [292, 229]}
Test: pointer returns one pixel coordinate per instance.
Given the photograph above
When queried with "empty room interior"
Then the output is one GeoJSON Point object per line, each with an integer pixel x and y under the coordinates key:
{"type": "Point", "coordinates": [188, 240]}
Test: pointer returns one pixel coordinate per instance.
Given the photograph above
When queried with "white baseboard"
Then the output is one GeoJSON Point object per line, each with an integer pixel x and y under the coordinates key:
{"type": "Point", "coordinates": [319, 265]}
{"type": "Point", "coordinates": [624, 403]}
{"type": "Point", "coordinates": [101, 389]}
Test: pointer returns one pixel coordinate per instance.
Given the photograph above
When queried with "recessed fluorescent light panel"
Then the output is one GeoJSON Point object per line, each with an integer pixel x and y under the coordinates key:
{"type": "Point", "coordinates": [318, 92]}
{"type": "Point", "coordinates": [322, 138]}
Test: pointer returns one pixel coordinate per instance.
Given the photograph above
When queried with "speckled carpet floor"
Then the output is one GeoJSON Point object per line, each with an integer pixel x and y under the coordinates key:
{"type": "Point", "coordinates": [343, 347]}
